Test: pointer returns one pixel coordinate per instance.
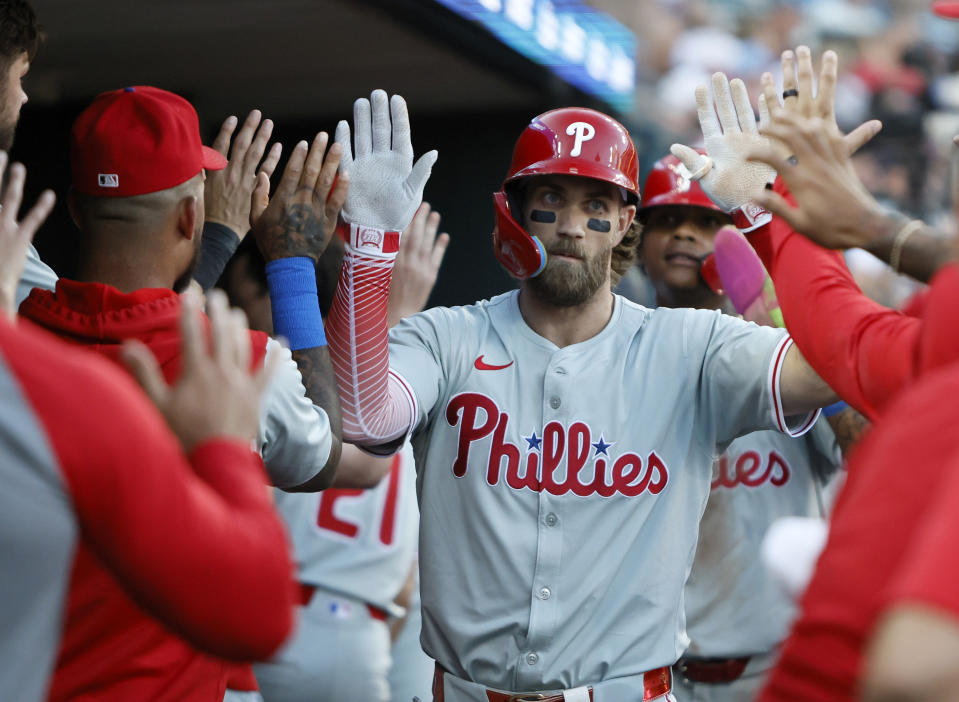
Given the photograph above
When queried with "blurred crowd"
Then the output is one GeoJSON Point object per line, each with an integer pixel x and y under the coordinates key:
{"type": "Point", "coordinates": [899, 63]}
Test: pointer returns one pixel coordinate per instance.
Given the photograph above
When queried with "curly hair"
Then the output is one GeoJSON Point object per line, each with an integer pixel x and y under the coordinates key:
{"type": "Point", "coordinates": [19, 31]}
{"type": "Point", "coordinates": [625, 252]}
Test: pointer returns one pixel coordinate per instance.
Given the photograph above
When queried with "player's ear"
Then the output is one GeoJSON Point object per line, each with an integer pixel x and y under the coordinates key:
{"type": "Point", "coordinates": [626, 216]}
{"type": "Point", "coordinates": [186, 214]}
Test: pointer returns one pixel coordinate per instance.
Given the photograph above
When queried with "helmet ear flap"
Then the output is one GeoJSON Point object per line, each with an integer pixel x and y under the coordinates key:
{"type": "Point", "coordinates": [521, 254]}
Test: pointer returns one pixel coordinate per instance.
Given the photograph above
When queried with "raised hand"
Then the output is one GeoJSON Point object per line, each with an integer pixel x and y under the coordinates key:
{"type": "Point", "coordinates": [386, 186]}
{"type": "Point", "coordinates": [15, 236]}
{"type": "Point", "coordinates": [812, 156]}
{"type": "Point", "coordinates": [730, 180]}
{"type": "Point", "coordinates": [808, 101]}
{"type": "Point", "coordinates": [229, 193]}
{"type": "Point", "coordinates": [417, 264]}
{"type": "Point", "coordinates": [301, 217]}
{"type": "Point", "coordinates": [216, 394]}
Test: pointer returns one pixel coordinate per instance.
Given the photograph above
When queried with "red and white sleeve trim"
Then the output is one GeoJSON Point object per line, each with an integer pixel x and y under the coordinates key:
{"type": "Point", "coordinates": [773, 383]}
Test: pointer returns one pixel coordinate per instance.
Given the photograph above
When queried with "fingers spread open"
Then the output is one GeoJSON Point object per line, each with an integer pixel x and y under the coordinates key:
{"type": "Point", "coordinates": [314, 161]}
{"type": "Point", "coordinates": [826, 97]}
{"type": "Point", "coordinates": [245, 136]}
{"type": "Point", "coordinates": [696, 163]}
{"type": "Point", "coordinates": [381, 120]}
{"type": "Point", "coordinates": [362, 125]}
{"type": "Point", "coordinates": [861, 135]}
{"type": "Point", "coordinates": [257, 148]}
{"type": "Point", "coordinates": [291, 174]}
{"type": "Point", "coordinates": [328, 173]}
{"type": "Point", "coordinates": [272, 158]}
{"type": "Point", "coordinates": [724, 104]}
{"type": "Point", "coordinates": [439, 250]}
{"type": "Point", "coordinates": [145, 370]}
{"type": "Point", "coordinates": [744, 110]}
{"type": "Point", "coordinates": [191, 337]}
{"type": "Point", "coordinates": [777, 204]}
{"type": "Point", "coordinates": [222, 141]}
{"type": "Point", "coordinates": [13, 192]}
{"type": "Point", "coordinates": [223, 338]}
{"type": "Point", "coordinates": [763, 111]}
{"type": "Point", "coordinates": [241, 332]}
{"type": "Point", "coordinates": [421, 171]}
{"type": "Point", "coordinates": [708, 122]}
{"type": "Point", "coordinates": [335, 200]}
{"type": "Point", "coordinates": [343, 139]}
{"type": "Point", "coordinates": [401, 127]}
{"type": "Point", "coordinates": [37, 214]}
{"type": "Point", "coordinates": [804, 77]}
{"type": "Point", "coordinates": [790, 86]}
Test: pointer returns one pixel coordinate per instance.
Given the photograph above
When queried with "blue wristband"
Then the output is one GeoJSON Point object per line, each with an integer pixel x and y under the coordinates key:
{"type": "Point", "coordinates": [296, 308]}
{"type": "Point", "coordinates": [834, 409]}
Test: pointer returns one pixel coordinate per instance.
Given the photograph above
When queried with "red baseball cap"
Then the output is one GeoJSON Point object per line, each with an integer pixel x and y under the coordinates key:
{"type": "Point", "coordinates": [135, 141]}
{"type": "Point", "coordinates": [946, 8]}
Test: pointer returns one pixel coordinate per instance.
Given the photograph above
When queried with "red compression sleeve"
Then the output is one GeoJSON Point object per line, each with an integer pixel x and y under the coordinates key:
{"type": "Point", "coordinates": [201, 551]}
{"type": "Point", "coordinates": [377, 405]}
{"type": "Point", "coordinates": [864, 351]}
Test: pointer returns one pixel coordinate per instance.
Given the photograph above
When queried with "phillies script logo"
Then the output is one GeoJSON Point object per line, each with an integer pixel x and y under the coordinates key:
{"type": "Point", "coordinates": [748, 470]}
{"type": "Point", "coordinates": [477, 417]}
{"type": "Point", "coordinates": [370, 237]}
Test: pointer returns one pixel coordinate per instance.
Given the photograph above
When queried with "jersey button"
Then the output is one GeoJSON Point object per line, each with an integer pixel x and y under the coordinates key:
{"type": "Point", "coordinates": [551, 519]}
{"type": "Point", "coordinates": [554, 402]}
{"type": "Point", "coordinates": [532, 658]}
{"type": "Point", "coordinates": [544, 593]}
{"type": "Point", "coordinates": [560, 371]}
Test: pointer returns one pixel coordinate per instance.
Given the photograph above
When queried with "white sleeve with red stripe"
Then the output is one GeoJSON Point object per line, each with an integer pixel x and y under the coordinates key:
{"type": "Point", "coordinates": [378, 405]}
{"type": "Point", "coordinates": [805, 422]}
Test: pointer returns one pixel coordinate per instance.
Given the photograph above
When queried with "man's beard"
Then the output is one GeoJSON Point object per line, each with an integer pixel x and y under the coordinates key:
{"type": "Point", "coordinates": [181, 283]}
{"type": "Point", "coordinates": [566, 283]}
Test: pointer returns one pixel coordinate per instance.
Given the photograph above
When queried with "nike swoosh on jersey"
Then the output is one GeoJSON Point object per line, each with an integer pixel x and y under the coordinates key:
{"type": "Point", "coordinates": [480, 364]}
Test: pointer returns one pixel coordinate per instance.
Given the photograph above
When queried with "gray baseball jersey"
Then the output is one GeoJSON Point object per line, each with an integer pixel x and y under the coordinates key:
{"type": "Point", "coordinates": [561, 488]}
{"type": "Point", "coordinates": [36, 274]}
{"type": "Point", "coordinates": [294, 435]}
{"type": "Point", "coordinates": [733, 607]}
{"type": "Point", "coordinates": [359, 543]}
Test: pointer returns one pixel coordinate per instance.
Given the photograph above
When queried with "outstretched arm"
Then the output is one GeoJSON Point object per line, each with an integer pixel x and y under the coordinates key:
{"type": "Point", "coordinates": [865, 351]}
{"type": "Point", "coordinates": [292, 232]}
{"type": "Point", "coordinates": [417, 264]}
{"type": "Point", "coordinates": [386, 188]}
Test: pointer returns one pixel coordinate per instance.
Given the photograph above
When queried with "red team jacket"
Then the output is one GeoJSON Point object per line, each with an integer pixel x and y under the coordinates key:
{"type": "Point", "coordinates": [866, 352]}
{"type": "Point", "coordinates": [872, 356]}
{"type": "Point", "coordinates": [111, 648]}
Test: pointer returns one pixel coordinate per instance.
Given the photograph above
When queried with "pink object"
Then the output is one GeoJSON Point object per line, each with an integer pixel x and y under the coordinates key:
{"type": "Point", "coordinates": [744, 279]}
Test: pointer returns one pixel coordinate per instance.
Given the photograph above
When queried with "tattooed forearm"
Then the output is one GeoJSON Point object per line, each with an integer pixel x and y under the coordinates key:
{"type": "Point", "coordinates": [316, 370]}
{"type": "Point", "coordinates": [848, 426]}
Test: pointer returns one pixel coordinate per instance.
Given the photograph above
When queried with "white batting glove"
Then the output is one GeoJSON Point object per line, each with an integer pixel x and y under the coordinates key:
{"type": "Point", "coordinates": [726, 176]}
{"type": "Point", "coordinates": [385, 185]}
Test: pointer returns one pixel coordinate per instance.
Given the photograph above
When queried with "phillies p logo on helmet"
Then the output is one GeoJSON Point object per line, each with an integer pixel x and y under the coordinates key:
{"type": "Point", "coordinates": [584, 131]}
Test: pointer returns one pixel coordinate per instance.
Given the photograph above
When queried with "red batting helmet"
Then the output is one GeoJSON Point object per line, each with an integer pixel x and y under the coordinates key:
{"type": "Point", "coordinates": [568, 141]}
{"type": "Point", "coordinates": [669, 184]}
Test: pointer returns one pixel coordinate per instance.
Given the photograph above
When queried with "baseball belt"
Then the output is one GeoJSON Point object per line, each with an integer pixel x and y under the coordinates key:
{"type": "Point", "coordinates": [656, 683]}
{"type": "Point", "coordinates": [306, 594]}
{"type": "Point", "coordinates": [712, 670]}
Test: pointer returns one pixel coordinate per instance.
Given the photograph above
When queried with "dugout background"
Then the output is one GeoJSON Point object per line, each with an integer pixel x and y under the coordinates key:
{"type": "Point", "coordinates": [302, 62]}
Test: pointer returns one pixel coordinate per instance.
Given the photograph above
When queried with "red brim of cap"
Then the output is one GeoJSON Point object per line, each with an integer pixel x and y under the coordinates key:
{"type": "Point", "coordinates": [946, 8]}
{"type": "Point", "coordinates": [213, 160]}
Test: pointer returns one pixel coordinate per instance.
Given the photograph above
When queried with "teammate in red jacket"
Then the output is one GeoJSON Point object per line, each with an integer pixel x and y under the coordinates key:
{"type": "Point", "coordinates": [90, 471]}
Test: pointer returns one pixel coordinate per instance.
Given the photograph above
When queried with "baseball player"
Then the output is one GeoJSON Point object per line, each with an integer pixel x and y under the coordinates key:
{"type": "Point", "coordinates": [140, 228]}
{"type": "Point", "coordinates": [736, 615]}
{"type": "Point", "coordinates": [563, 436]}
{"type": "Point", "coordinates": [88, 464]}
